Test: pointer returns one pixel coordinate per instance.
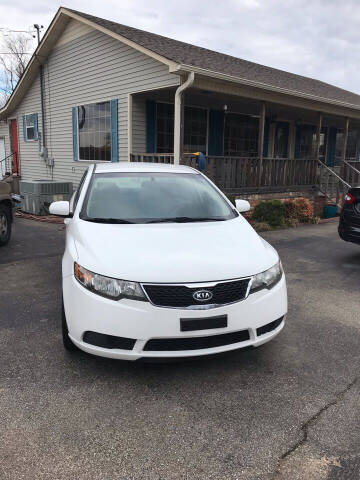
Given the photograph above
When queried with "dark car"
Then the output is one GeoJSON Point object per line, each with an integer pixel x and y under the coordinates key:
{"type": "Point", "coordinates": [6, 212]}
{"type": "Point", "coordinates": [349, 224]}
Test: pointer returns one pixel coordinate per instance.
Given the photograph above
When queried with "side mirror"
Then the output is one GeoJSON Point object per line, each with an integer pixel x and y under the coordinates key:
{"type": "Point", "coordinates": [242, 205]}
{"type": "Point", "coordinates": [61, 208]}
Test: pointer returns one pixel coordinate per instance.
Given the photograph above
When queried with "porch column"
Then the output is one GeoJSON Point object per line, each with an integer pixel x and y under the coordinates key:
{"type": "Point", "coordinates": [318, 134]}
{"type": "Point", "coordinates": [179, 118]}
{"type": "Point", "coordinates": [261, 139]}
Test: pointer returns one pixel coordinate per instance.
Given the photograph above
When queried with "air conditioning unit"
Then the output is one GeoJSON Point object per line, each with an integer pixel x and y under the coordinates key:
{"type": "Point", "coordinates": [38, 194]}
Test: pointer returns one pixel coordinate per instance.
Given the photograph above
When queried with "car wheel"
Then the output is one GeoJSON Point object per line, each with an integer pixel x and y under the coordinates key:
{"type": "Point", "coordinates": [68, 344]}
{"type": "Point", "coordinates": [5, 224]}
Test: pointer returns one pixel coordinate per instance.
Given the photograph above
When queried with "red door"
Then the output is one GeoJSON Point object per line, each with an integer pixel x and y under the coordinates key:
{"type": "Point", "coordinates": [14, 146]}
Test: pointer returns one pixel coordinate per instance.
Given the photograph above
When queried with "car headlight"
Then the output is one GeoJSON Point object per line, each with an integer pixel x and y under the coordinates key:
{"type": "Point", "coordinates": [267, 279]}
{"type": "Point", "coordinates": [108, 287]}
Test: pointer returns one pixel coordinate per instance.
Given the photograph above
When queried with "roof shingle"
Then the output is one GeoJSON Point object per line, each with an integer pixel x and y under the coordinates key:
{"type": "Point", "coordinates": [185, 53]}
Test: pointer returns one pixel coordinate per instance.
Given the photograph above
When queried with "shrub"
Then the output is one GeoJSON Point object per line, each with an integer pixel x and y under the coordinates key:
{"type": "Point", "coordinates": [271, 212]}
{"type": "Point", "coordinates": [298, 210]}
{"type": "Point", "coordinates": [260, 226]}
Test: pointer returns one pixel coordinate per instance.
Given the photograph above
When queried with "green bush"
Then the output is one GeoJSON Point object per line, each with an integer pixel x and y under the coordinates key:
{"type": "Point", "coordinates": [271, 212]}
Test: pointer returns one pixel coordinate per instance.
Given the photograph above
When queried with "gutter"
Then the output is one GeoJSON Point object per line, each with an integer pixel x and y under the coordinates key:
{"type": "Point", "coordinates": [263, 86]}
{"type": "Point", "coordinates": [178, 117]}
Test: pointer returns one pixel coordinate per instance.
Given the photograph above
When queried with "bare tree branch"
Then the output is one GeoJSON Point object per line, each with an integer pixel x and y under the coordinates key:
{"type": "Point", "coordinates": [13, 62]}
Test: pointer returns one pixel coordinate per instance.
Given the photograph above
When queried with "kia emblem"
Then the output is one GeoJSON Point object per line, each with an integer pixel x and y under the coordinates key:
{"type": "Point", "coordinates": [202, 295]}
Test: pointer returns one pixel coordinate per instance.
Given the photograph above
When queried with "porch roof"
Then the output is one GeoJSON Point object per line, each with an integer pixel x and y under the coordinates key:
{"type": "Point", "coordinates": [187, 55]}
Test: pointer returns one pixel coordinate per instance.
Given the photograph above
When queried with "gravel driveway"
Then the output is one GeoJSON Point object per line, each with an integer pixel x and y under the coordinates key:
{"type": "Point", "coordinates": [288, 410]}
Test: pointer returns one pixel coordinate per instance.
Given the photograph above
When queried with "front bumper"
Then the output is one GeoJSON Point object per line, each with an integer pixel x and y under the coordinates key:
{"type": "Point", "coordinates": [142, 321]}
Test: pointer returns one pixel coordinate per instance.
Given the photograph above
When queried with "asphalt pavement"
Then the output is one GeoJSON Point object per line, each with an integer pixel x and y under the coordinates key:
{"type": "Point", "coordinates": [287, 410]}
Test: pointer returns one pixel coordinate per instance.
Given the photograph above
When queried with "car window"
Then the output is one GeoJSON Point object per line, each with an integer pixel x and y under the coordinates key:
{"type": "Point", "coordinates": [142, 197]}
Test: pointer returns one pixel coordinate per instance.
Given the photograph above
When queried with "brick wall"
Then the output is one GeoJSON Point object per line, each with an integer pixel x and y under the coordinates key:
{"type": "Point", "coordinates": [318, 201]}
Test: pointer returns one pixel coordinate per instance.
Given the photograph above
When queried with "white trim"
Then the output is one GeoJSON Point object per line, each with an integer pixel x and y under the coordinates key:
{"type": "Point", "coordinates": [264, 86]}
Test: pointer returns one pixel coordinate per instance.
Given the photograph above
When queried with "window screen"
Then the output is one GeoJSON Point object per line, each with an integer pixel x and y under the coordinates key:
{"type": "Point", "coordinates": [241, 135]}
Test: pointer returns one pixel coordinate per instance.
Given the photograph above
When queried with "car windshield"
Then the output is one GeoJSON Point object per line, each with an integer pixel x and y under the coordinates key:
{"type": "Point", "coordinates": [155, 197]}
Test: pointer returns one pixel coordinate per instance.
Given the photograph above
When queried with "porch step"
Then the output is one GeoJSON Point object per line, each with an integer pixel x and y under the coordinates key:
{"type": "Point", "coordinates": [331, 184]}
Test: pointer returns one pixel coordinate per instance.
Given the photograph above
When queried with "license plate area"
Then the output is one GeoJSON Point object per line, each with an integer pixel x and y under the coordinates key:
{"type": "Point", "coordinates": [191, 324]}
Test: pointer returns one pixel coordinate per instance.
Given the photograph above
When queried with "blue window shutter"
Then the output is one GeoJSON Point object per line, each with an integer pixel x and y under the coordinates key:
{"type": "Point", "coordinates": [216, 132]}
{"type": "Point", "coordinates": [24, 128]}
{"type": "Point", "coordinates": [36, 134]}
{"type": "Point", "coordinates": [266, 137]}
{"type": "Point", "coordinates": [75, 133]}
{"type": "Point", "coordinates": [150, 126]}
{"type": "Point", "coordinates": [114, 131]}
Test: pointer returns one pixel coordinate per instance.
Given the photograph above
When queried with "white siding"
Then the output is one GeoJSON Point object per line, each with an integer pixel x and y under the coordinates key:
{"type": "Point", "coordinates": [72, 31]}
{"type": "Point", "coordinates": [91, 68]}
{"type": "Point", "coordinates": [31, 165]}
{"type": "Point", "coordinates": [139, 125]}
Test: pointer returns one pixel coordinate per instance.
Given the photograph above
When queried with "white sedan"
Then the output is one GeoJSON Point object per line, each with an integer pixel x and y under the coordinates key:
{"type": "Point", "coordinates": [158, 263]}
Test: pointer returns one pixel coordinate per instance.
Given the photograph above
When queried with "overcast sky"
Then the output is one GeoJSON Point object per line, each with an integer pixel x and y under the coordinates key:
{"type": "Point", "coordinates": [316, 38]}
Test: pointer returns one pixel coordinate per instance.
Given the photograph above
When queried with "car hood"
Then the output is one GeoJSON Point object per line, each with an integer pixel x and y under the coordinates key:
{"type": "Point", "coordinates": [173, 252]}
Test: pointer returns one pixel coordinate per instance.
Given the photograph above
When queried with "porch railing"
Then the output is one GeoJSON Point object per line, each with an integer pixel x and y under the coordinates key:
{"type": "Point", "coordinates": [332, 185]}
{"type": "Point", "coordinates": [234, 174]}
{"type": "Point", "coordinates": [351, 172]}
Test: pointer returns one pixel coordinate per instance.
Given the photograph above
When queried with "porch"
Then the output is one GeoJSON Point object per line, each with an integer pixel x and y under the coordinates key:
{"type": "Point", "coordinates": [247, 174]}
{"type": "Point", "coordinates": [250, 146]}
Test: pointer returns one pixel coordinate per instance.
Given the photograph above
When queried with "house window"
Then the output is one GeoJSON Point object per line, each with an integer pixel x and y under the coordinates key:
{"type": "Point", "coordinates": [195, 129]}
{"type": "Point", "coordinates": [164, 128]}
{"type": "Point", "coordinates": [281, 140]}
{"type": "Point", "coordinates": [323, 143]}
{"type": "Point", "coordinates": [30, 127]}
{"type": "Point", "coordinates": [307, 141]}
{"type": "Point", "coordinates": [351, 146]}
{"type": "Point", "coordinates": [241, 135]}
{"type": "Point", "coordinates": [94, 127]}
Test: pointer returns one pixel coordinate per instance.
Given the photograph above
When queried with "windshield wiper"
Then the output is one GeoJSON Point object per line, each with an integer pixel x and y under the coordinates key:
{"type": "Point", "coordinates": [107, 220]}
{"type": "Point", "coordinates": [186, 220]}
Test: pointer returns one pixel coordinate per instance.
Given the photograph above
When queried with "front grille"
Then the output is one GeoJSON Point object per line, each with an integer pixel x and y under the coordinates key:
{"type": "Point", "coordinates": [180, 296]}
{"type": "Point", "coordinates": [269, 327]}
{"type": "Point", "coordinates": [195, 343]}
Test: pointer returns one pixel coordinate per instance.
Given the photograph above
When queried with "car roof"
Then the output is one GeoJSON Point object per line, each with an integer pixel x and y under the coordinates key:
{"type": "Point", "coordinates": [142, 167]}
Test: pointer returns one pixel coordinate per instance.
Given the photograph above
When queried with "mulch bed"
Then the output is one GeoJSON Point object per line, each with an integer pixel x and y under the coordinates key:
{"type": "Point", "coordinates": [40, 218]}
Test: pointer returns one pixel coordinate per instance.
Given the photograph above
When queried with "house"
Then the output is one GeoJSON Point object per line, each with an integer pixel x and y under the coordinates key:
{"type": "Point", "coordinates": [98, 91]}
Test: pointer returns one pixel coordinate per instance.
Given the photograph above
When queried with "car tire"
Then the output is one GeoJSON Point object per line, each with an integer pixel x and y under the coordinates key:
{"type": "Point", "coordinates": [68, 344]}
{"type": "Point", "coordinates": [5, 224]}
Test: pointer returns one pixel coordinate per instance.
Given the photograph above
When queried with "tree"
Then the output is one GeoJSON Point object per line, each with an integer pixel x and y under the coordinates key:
{"type": "Point", "coordinates": [16, 50]}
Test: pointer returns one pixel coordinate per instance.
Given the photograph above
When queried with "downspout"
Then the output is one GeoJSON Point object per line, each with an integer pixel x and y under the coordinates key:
{"type": "Point", "coordinates": [178, 117]}
{"type": "Point", "coordinates": [43, 136]}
